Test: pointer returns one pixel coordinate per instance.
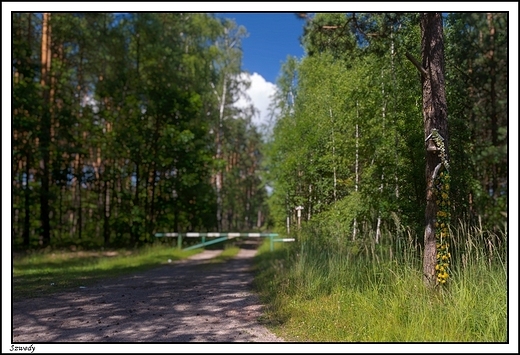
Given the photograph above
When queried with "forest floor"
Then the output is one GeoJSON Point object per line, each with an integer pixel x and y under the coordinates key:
{"type": "Point", "coordinates": [192, 300]}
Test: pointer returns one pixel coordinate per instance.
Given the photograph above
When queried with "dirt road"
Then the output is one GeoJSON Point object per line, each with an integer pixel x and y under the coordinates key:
{"type": "Point", "coordinates": [188, 301]}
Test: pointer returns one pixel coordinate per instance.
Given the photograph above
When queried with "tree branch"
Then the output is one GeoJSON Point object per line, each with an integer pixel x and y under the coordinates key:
{"type": "Point", "coordinates": [416, 63]}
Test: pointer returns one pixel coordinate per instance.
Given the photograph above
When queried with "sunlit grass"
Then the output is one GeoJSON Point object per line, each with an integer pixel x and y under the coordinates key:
{"type": "Point", "coordinates": [41, 273]}
{"type": "Point", "coordinates": [318, 293]}
{"type": "Point", "coordinates": [227, 254]}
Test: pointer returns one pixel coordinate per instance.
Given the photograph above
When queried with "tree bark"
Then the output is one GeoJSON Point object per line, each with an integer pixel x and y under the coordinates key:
{"type": "Point", "coordinates": [106, 213]}
{"type": "Point", "coordinates": [219, 175]}
{"type": "Point", "coordinates": [493, 97]}
{"type": "Point", "coordinates": [435, 116]}
{"type": "Point", "coordinates": [354, 232]}
{"type": "Point", "coordinates": [45, 131]}
{"type": "Point", "coordinates": [27, 203]}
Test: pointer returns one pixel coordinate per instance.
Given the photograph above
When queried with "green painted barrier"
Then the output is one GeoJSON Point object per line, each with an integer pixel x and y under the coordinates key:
{"type": "Point", "coordinates": [221, 237]}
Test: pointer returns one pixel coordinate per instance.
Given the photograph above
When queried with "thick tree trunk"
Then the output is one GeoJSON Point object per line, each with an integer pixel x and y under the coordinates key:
{"type": "Point", "coordinates": [435, 115]}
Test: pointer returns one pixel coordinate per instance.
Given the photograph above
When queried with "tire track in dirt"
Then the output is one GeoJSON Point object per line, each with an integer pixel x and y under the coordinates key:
{"type": "Point", "coordinates": [187, 301]}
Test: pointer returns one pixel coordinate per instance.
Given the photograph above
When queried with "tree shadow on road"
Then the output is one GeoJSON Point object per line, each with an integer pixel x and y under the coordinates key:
{"type": "Point", "coordinates": [181, 302]}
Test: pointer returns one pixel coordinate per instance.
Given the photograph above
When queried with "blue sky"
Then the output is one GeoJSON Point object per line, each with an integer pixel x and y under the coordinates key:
{"type": "Point", "coordinates": [272, 37]}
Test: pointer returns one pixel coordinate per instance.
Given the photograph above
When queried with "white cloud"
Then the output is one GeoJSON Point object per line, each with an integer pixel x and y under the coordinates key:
{"type": "Point", "coordinates": [260, 93]}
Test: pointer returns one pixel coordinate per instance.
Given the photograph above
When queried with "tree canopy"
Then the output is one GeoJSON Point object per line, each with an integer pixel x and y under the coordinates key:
{"type": "Point", "coordinates": [123, 122]}
{"type": "Point", "coordinates": [349, 141]}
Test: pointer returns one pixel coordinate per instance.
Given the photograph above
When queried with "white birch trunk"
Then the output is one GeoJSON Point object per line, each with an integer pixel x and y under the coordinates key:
{"type": "Point", "coordinates": [378, 227]}
{"type": "Point", "coordinates": [333, 158]}
{"type": "Point", "coordinates": [354, 232]}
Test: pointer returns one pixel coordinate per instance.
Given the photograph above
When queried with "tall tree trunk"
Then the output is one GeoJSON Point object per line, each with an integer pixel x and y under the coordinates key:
{"type": "Point", "coordinates": [394, 98]}
{"type": "Point", "coordinates": [76, 186]}
{"type": "Point", "coordinates": [135, 224]}
{"type": "Point", "coordinates": [435, 115]}
{"type": "Point", "coordinates": [309, 209]}
{"type": "Point", "coordinates": [152, 198]}
{"type": "Point", "coordinates": [493, 97]}
{"type": "Point", "coordinates": [383, 110]}
{"type": "Point", "coordinates": [80, 206]}
{"type": "Point", "coordinates": [335, 183]}
{"type": "Point", "coordinates": [45, 131]}
{"type": "Point", "coordinates": [106, 213]}
{"type": "Point", "coordinates": [354, 232]}
{"type": "Point", "coordinates": [220, 137]}
{"type": "Point", "coordinates": [27, 204]}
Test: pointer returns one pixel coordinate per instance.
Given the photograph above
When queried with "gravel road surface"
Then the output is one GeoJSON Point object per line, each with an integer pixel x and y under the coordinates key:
{"type": "Point", "coordinates": [186, 301]}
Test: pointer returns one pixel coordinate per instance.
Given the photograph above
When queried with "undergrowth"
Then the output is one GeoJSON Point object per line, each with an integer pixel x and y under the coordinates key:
{"type": "Point", "coordinates": [323, 289]}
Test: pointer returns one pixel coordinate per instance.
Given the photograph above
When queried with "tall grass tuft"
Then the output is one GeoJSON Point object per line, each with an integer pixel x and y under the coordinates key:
{"type": "Point", "coordinates": [342, 290]}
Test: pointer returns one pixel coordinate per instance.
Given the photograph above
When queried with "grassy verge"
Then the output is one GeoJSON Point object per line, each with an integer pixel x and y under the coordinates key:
{"type": "Point", "coordinates": [42, 273]}
{"type": "Point", "coordinates": [319, 293]}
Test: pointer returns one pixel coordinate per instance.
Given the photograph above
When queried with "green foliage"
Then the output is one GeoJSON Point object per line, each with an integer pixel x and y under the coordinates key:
{"type": "Point", "coordinates": [476, 66]}
{"type": "Point", "coordinates": [348, 146]}
{"type": "Point", "coordinates": [342, 116]}
{"type": "Point", "coordinates": [349, 121]}
{"type": "Point", "coordinates": [133, 120]}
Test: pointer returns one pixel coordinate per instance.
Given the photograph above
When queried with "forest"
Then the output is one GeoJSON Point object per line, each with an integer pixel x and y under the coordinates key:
{"type": "Point", "coordinates": [350, 133]}
{"type": "Point", "coordinates": [125, 125]}
{"type": "Point", "coordinates": [387, 160]}
{"type": "Point", "coordinates": [359, 117]}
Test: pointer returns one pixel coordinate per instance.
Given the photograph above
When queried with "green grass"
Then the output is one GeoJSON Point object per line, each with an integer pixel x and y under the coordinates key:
{"type": "Point", "coordinates": [227, 254]}
{"type": "Point", "coordinates": [41, 273]}
{"type": "Point", "coordinates": [319, 293]}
